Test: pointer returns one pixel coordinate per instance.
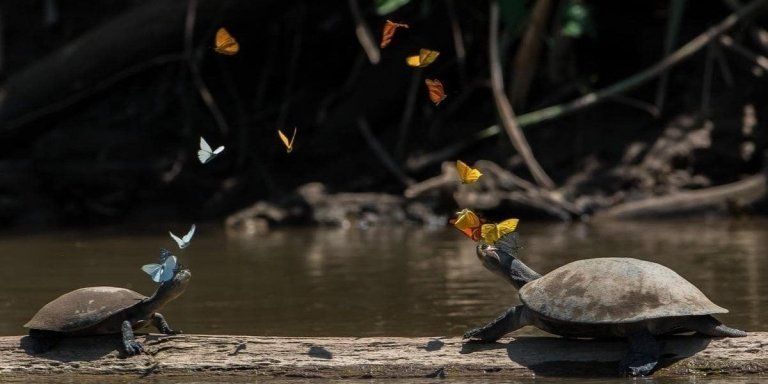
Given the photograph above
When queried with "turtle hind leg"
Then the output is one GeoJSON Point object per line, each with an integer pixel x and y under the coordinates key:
{"type": "Point", "coordinates": [43, 341]}
{"type": "Point", "coordinates": [158, 321]}
{"type": "Point", "coordinates": [514, 318]}
{"type": "Point", "coordinates": [643, 354]}
{"type": "Point", "coordinates": [710, 326]}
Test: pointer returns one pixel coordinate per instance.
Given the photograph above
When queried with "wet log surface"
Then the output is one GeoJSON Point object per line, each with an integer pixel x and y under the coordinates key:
{"type": "Point", "coordinates": [375, 357]}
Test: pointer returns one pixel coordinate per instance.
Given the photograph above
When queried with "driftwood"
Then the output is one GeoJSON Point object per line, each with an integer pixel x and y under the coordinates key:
{"type": "Point", "coordinates": [731, 196]}
{"type": "Point", "coordinates": [379, 357]}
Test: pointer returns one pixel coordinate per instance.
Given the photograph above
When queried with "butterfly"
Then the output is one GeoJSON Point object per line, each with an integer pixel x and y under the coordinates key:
{"type": "Point", "coordinates": [424, 58]}
{"type": "Point", "coordinates": [284, 138]}
{"type": "Point", "coordinates": [436, 90]}
{"type": "Point", "coordinates": [164, 271]}
{"type": "Point", "coordinates": [225, 43]}
{"type": "Point", "coordinates": [389, 31]}
{"type": "Point", "coordinates": [491, 233]}
{"type": "Point", "coordinates": [184, 241]}
{"type": "Point", "coordinates": [468, 223]}
{"type": "Point", "coordinates": [206, 154]}
{"type": "Point", "coordinates": [467, 174]}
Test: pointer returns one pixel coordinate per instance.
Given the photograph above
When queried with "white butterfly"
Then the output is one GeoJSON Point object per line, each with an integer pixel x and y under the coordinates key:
{"type": "Point", "coordinates": [184, 241]}
{"type": "Point", "coordinates": [164, 271]}
{"type": "Point", "coordinates": [206, 154]}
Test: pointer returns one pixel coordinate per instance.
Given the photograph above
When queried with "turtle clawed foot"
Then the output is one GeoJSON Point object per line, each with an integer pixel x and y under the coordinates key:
{"type": "Point", "coordinates": [133, 348]}
{"type": "Point", "coordinates": [636, 367]}
{"type": "Point", "coordinates": [171, 332]}
{"type": "Point", "coordinates": [480, 334]}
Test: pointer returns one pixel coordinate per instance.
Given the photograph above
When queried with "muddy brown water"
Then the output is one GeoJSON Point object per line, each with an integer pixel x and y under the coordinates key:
{"type": "Point", "coordinates": [404, 281]}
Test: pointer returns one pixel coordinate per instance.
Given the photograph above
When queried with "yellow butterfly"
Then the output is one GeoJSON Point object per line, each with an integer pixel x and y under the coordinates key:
{"type": "Point", "coordinates": [491, 233]}
{"type": "Point", "coordinates": [284, 138]}
{"type": "Point", "coordinates": [424, 58]}
{"type": "Point", "coordinates": [467, 174]}
{"type": "Point", "coordinates": [225, 43]}
{"type": "Point", "coordinates": [468, 223]}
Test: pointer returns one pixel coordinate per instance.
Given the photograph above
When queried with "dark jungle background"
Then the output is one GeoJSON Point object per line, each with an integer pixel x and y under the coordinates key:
{"type": "Point", "coordinates": [102, 105]}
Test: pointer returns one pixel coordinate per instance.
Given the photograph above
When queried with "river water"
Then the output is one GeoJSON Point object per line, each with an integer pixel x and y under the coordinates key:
{"type": "Point", "coordinates": [404, 281]}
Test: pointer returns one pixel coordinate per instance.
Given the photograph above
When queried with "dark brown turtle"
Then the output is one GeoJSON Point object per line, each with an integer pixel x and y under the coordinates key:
{"type": "Point", "coordinates": [603, 297]}
{"type": "Point", "coordinates": [104, 310]}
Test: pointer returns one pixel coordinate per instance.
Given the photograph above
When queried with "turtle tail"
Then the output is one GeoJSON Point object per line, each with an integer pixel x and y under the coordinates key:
{"type": "Point", "coordinates": [710, 326]}
{"type": "Point", "coordinates": [723, 330]}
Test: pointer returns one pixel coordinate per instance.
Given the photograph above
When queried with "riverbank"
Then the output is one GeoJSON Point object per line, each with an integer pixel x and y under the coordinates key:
{"type": "Point", "coordinates": [375, 357]}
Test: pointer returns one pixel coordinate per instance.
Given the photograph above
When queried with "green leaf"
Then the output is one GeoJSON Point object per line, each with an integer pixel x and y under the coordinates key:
{"type": "Point", "coordinates": [385, 7]}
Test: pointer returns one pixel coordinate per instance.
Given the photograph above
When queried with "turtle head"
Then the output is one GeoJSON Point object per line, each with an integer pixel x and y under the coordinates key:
{"type": "Point", "coordinates": [502, 260]}
{"type": "Point", "coordinates": [172, 288]}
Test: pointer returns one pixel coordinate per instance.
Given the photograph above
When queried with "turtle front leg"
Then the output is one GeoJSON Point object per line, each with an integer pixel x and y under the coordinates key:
{"type": "Point", "coordinates": [513, 319]}
{"type": "Point", "coordinates": [643, 354]}
{"type": "Point", "coordinates": [130, 345]}
{"type": "Point", "coordinates": [158, 321]}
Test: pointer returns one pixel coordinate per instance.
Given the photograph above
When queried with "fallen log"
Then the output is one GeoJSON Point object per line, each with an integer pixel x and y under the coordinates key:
{"type": "Point", "coordinates": [375, 357]}
{"type": "Point", "coordinates": [721, 198]}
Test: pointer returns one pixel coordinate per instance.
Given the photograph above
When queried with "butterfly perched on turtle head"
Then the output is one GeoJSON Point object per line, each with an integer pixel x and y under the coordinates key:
{"type": "Point", "coordinates": [164, 270]}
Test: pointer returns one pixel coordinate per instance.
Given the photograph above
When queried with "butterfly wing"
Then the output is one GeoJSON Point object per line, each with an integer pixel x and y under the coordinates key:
{"type": "Point", "coordinates": [413, 61]}
{"type": "Point", "coordinates": [188, 237]}
{"type": "Point", "coordinates": [507, 226]}
{"type": "Point", "coordinates": [153, 270]}
{"type": "Point", "coordinates": [168, 269]}
{"type": "Point", "coordinates": [225, 43]}
{"type": "Point", "coordinates": [288, 143]}
{"type": "Point", "coordinates": [164, 255]}
{"type": "Point", "coordinates": [491, 233]}
{"type": "Point", "coordinates": [178, 240]}
{"type": "Point", "coordinates": [204, 154]}
{"type": "Point", "coordinates": [218, 150]}
{"type": "Point", "coordinates": [467, 174]}
{"type": "Point", "coordinates": [436, 91]}
{"type": "Point", "coordinates": [389, 32]}
{"type": "Point", "coordinates": [468, 223]}
{"type": "Point", "coordinates": [427, 57]}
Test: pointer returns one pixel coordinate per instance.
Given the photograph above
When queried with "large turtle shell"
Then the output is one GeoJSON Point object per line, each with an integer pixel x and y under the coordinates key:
{"type": "Point", "coordinates": [614, 290]}
{"type": "Point", "coordinates": [83, 308]}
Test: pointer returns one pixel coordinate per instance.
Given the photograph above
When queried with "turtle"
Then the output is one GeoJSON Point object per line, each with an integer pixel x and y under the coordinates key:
{"type": "Point", "coordinates": [601, 297]}
{"type": "Point", "coordinates": [104, 310]}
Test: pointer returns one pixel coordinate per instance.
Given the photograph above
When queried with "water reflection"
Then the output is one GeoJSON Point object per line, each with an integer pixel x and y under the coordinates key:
{"type": "Point", "coordinates": [382, 281]}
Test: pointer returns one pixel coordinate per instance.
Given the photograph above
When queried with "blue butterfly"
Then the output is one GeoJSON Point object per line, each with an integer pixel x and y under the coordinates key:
{"type": "Point", "coordinates": [164, 271]}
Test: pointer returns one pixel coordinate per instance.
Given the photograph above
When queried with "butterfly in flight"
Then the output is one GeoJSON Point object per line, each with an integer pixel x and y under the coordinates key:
{"type": "Point", "coordinates": [288, 143]}
{"type": "Point", "coordinates": [206, 154]}
{"type": "Point", "coordinates": [467, 174]}
{"type": "Point", "coordinates": [436, 90]}
{"type": "Point", "coordinates": [468, 223]}
{"type": "Point", "coordinates": [424, 58]}
{"type": "Point", "coordinates": [164, 271]}
{"type": "Point", "coordinates": [491, 233]}
{"type": "Point", "coordinates": [225, 43]}
{"type": "Point", "coordinates": [389, 31]}
{"type": "Point", "coordinates": [183, 242]}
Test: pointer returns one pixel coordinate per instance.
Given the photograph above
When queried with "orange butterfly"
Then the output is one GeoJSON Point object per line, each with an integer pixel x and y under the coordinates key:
{"type": "Point", "coordinates": [436, 91]}
{"type": "Point", "coordinates": [389, 31]}
{"type": "Point", "coordinates": [424, 58]}
{"type": "Point", "coordinates": [225, 43]}
{"type": "Point", "coordinates": [469, 224]}
{"type": "Point", "coordinates": [284, 138]}
{"type": "Point", "coordinates": [491, 233]}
